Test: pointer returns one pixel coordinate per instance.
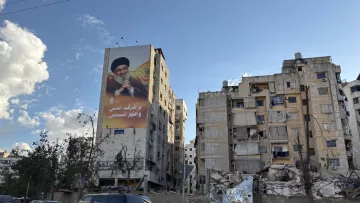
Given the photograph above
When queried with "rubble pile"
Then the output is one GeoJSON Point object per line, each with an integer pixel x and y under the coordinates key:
{"type": "Point", "coordinates": [286, 180]}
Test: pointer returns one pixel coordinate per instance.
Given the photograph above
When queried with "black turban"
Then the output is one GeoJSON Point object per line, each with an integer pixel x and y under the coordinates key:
{"type": "Point", "coordinates": [119, 61]}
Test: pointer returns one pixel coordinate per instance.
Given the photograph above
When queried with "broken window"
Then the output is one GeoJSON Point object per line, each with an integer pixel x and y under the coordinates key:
{"type": "Point", "coordinates": [262, 150]}
{"type": "Point", "coordinates": [355, 88]}
{"type": "Point", "coordinates": [326, 108]}
{"type": "Point", "coordinates": [262, 134]}
{"type": "Point", "coordinates": [323, 90]}
{"type": "Point", "coordinates": [280, 151]}
{"type": "Point", "coordinates": [299, 68]}
{"type": "Point", "coordinates": [333, 162]}
{"type": "Point", "coordinates": [356, 100]}
{"type": "Point", "coordinates": [292, 99]}
{"type": "Point", "coordinates": [201, 102]}
{"type": "Point", "coordinates": [321, 75]}
{"type": "Point", "coordinates": [297, 147]}
{"type": "Point", "coordinates": [239, 103]}
{"type": "Point", "coordinates": [259, 102]}
{"type": "Point", "coordinates": [277, 100]}
{"type": "Point", "coordinates": [290, 84]}
{"type": "Point", "coordinates": [178, 107]}
{"type": "Point", "coordinates": [277, 116]}
{"type": "Point", "coordinates": [331, 143]}
{"type": "Point", "coordinates": [302, 87]}
{"type": "Point", "coordinates": [260, 119]}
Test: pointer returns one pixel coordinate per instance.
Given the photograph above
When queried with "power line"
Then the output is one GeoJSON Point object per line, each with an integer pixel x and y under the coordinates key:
{"type": "Point", "coordinates": [35, 7]}
{"type": "Point", "coordinates": [15, 2]}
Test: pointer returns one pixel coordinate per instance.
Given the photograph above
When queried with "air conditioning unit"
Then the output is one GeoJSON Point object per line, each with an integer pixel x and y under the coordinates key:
{"type": "Point", "coordinates": [333, 168]}
{"type": "Point", "coordinates": [324, 79]}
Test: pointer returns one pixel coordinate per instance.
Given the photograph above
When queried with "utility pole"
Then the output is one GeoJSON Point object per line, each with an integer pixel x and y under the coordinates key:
{"type": "Point", "coordinates": [306, 165]}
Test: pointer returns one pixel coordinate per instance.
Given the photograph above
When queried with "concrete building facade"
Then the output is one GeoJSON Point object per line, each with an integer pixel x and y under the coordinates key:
{"type": "Point", "coordinates": [6, 162]}
{"type": "Point", "coordinates": [262, 120]}
{"type": "Point", "coordinates": [180, 135]}
{"type": "Point", "coordinates": [153, 146]}
{"type": "Point", "coordinates": [352, 93]}
{"type": "Point", "coordinates": [190, 159]}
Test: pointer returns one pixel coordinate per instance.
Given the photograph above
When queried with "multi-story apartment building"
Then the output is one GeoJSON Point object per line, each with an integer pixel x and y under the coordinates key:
{"type": "Point", "coordinates": [180, 126]}
{"type": "Point", "coordinates": [262, 121]}
{"type": "Point", "coordinates": [136, 120]}
{"type": "Point", "coordinates": [6, 162]}
{"type": "Point", "coordinates": [190, 155]}
{"type": "Point", "coordinates": [352, 93]}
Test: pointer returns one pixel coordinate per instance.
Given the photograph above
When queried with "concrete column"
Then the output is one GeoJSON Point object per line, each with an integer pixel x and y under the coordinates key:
{"type": "Point", "coordinates": [116, 182]}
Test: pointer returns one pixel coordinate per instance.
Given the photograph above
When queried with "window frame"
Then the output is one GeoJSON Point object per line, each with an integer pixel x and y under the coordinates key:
{"type": "Point", "coordinates": [293, 100]}
{"type": "Point", "coordinates": [321, 75]}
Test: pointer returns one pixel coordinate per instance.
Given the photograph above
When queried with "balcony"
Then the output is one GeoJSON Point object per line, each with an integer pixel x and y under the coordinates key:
{"type": "Point", "coordinates": [280, 155]}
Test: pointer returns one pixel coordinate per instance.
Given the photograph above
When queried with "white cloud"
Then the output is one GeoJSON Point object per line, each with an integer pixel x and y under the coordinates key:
{"type": "Point", "coordinates": [24, 106]}
{"type": "Point", "coordinates": [21, 62]}
{"type": "Point", "coordinates": [36, 132]}
{"type": "Point", "coordinates": [247, 75]}
{"type": "Point", "coordinates": [87, 19]}
{"type": "Point", "coordinates": [93, 22]}
{"type": "Point", "coordinates": [2, 4]}
{"type": "Point", "coordinates": [26, 121]}
{"type": "Point", "coordinates": [79, 103]}
{"type": "Point", "coordinates": [66, 77]}
{"type": "Point", "coordinates": [15, 101]}
{"type": "Point", "coordinates": [76, 90]}
{"type": "Point", "coordinates": [60, 122]}
{"type": "Point", "coordinates": [22, 148]}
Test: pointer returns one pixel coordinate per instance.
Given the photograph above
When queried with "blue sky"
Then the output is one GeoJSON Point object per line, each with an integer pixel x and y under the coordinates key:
{"type": "Point", "coordinates": [204, 42]}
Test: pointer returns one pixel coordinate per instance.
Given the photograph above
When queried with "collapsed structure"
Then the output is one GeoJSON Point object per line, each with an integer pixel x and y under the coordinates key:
{"type": "Point", "coordinates": [261, 121]}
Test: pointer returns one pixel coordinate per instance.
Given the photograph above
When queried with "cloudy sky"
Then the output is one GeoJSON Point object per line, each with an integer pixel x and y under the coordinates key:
{"type": "Point", "coordinates": [50, 57]}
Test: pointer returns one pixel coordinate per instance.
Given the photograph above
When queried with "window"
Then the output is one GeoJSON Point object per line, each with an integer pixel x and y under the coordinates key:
{"type": "Point", "coordinates": [260, 119]}
{"type": "Point", "coordinates": [331, 143]}
{"type": "Point", "coordinates": [116, 199]}
{"type": "Point", "coordinates": [321, 75]}
{"type": "Point", "coordinates": [178, 138]}
{"type": "Point", "coordinates": [165, 102]}
{"type": "Point", "coordinates": [277, 100]}
{"type": "Point", "coordinates": [99, 199]}
{"type": "Point", "coordinates": [333, 162]}
{"type": "Point", "coordinates": [86, 199]}
{"type": "Point", "coordinates": [262, 134]}
{"type": "Point", "coordinates": [177, 107]}
{"type": "Point", "coordinates": [290, 84]}
{"type": "Point", "coordinates": [296, 147]}
{"type": "Point", "coordinates": [165, 74]}
{"type": "Point", "coordinates": [329, 126]}
{"type": "Point", "coordinates": [190, 156]}
{"type": "Point", "coordinates": [186, 149]}
{"type": "Point", "coordinates": [160, 97]}
{"type": "Point", "coordinates": [295, 132]}
{"type": "Point", "coordinates": [190, 162]}
{"type": "Point", "coordinates": [323, 90]}
{"type": "Point", "coordinates": [311, 135]}
{"type": "Point", "coordinates": [161, 81]}
{"type": "Point", "coordinates": [190, 149]}
{"type": "Point", "coordinates": [304, 102]}
{"type": "Point", "coordinates": [185, 155]}
{"type": "Point", "coordinates": [293, 116]}
{"type": "Point", "coordinates": [177, 148]}
{"type": "Point", "coordinates": [302, 88]}
{"type": "Point", "coordinates": [292, 99]}
{"type": "Point", "coordinates": [259, 102]}
{"type": "Point", "coordinates": [356, 100]}
{"type": "Point", "coordinates": [162, 67]}
{"type": "Point", "coordinates": [262, 150]}
{"type": "Point", "coordinates": [355, 88]}
{"type": "Point", "coordinates": [239, 103]}
{"type": "Point", "coordinates": [299, 68]}
{"type": "Point", "coordinates": [326, 108]}
{"type": "Point", "coordinates": [312, 151]}
{"type": "Point", "coordinates": [186, 161]}
{"type": "Point", "coordinates": [201, 102]}
{"type": "Point", "coordinates": [165, 87]}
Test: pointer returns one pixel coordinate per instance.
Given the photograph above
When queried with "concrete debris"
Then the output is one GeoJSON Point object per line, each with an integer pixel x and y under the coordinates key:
{"type": "Point", "coordinates": [286, 180]}
{"type": "Point", "coordinates": [243, 193]}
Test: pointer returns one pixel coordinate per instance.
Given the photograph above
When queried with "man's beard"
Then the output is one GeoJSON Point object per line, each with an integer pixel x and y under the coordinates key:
{"type": "Point", "coordinates": [121, 79]}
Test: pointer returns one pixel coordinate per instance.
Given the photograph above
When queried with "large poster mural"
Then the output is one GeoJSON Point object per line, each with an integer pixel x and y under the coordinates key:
{"type": "Point", "coordinates": [126, 99]}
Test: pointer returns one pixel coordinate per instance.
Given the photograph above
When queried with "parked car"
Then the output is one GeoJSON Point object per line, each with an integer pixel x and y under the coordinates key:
{"type": "Point", "coordinates": [6, 199]}
{"type": "Point", "coordinates": [115, 198]}
{"type": "Point", "coordinates": [44, 201]}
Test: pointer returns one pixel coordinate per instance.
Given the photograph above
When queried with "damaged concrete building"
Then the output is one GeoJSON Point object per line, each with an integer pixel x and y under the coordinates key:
{"type": "Point", "coordinates": [261, 121]}
{"type": "Point", "coordinates": [352, 93]}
